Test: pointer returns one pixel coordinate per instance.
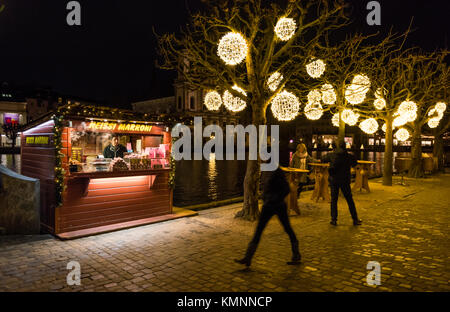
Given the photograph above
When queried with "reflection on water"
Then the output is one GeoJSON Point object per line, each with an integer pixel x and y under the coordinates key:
{"type": "Point", "coordinates": [202, 181]}
{"type": "Point", "coordinates": [11, 161]}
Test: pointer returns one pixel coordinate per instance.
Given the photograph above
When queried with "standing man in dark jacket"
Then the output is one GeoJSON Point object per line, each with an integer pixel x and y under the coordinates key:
{"type": "Point", "coordinates": [339, 178]}
{"type": "Point", "coordinates": [275, 189]}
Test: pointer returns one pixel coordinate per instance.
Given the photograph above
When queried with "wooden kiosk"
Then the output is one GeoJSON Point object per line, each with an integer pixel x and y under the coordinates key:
{"type": "Point", "coordinates": [80, 193]}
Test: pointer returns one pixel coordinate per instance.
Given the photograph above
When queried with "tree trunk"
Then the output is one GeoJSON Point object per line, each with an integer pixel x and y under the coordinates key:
{"type": "Point", "coordinates": [438, 151]}
{"type": "Point", "coordinates": [388, 154]}
{"type": "Point", "coordinates": [341, 133]}
{"type": "Point", "coordinates": [416, 170]}
{"type": "Point", "coordinates": [250, 210]}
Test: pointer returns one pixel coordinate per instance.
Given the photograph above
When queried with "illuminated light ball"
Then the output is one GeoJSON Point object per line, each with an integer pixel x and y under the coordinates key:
{"type": "Point", "coordinates": [379, 94]}
{"type": "Point", "coordinates": [349, 117]}
{"type": "Point", "coordinates": [383, 127]}
{"type": "Point", "coordinates": [379, 103]}
{"type": "Point", "coordinates": [335, 120]}
{"type": "Point", "coordinates": [314, 96]}
{"type": "Point", "coordinates": [285, 28]}
{"type": "Point", "coordinates": [233, 103]}
{"type": "Point", "coordinates": [441, 107]}
{"type": "Point", "coordinates": [285, 106]}
{"type": "Point", "coordinates": [409, 110]}
{"type": "Point", "coordinates": [328, 94]}
{"type": "Point", "coordinates": [213, 101]}
{"type": "Point", "coordinates": [402, 134]}
{"type": "Point", "coordinates": [313, 111]}
{"type": "Point", "coordinates": [433, 122]}
{"type": "Point", "coordinates": [354, 94]}
{"type": "Point", "coordinates": [434, 111]}
{"type": "Point", "coordinates": [232, 48]}
{"type": "Point", "coordinates": [399, 121]}
{"type": "Point", "coordinates": [369, 126]}
{"type": "Point", "coordinates": [316, 68]}
{"type": "Point", "coordinates": [362, 81]}
{"type": "Point", "coordinates": [274, 81]}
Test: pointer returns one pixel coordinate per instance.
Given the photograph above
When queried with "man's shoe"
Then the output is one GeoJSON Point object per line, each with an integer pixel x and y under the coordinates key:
{"type": "Point", "coordinates": [243, 261]}
{"type": "Point", "coordinates": [357, 222]}
{"type": "Point", "coordinates": [295, 260]}
{"type": "Point", "coordinates": [333, 222]}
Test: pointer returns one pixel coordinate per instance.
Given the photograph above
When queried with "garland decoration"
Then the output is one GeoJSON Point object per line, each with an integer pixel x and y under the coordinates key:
{"type": "Point", "coordinates": [59, 170]}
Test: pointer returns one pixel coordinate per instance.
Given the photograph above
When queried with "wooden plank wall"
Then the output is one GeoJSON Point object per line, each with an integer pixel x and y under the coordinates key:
{"type": "Point", "coordinates": [39, 163]}
{"type": "Point", "coordinates": [113, 200]}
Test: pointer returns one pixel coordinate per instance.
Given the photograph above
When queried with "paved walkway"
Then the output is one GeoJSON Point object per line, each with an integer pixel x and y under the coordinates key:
{"type": "Point", "coordinates": [405, 229]}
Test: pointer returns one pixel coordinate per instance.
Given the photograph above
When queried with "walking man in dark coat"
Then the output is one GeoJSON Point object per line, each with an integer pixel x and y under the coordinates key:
{"type": "Point", "coordinates": [275, 189]}
{"type": "Point", "coordinates": [339, 178]}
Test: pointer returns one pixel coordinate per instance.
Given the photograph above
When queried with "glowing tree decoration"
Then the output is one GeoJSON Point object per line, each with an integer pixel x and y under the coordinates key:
{"type": "Point", "coordinates": [408, 109]}
{"type": "Point", "coordinates": [274, 81]}
{"type": "Point", "coordinates": [313, 111]}
{"type": "Point", "coordinates": [379, 94]}
{"type": "Point", "coordinates": [232, 48]}
{"type": "Point", "coordinates": [328, 94]}
{"type": "Point", "coordinates": [369, 126]}
{"type": "Point", "coordinates": [349, 117]}
{"type": "Point", "coordinates": [285, 28]}
{"type": "Point", "coordinates": [314, 96]}
{"type": "Point", "coordinates": [285, 106]}
{"type": "Point", "coordinates": [213, 100]}
{"type": "Point", "coordinates": [434, 111]}
{"type": "Point", "coordinates": [239, 89]}
{"type": "Point", "coordinates": [355, 93]}
{"type": "Point", "coordinates": [316, 68]}
{"type": "Point", "coordinates": [402, 135]}
{"type": "Point", "coordinates": [399, 121]}
{"type": "Point", "coordinates": [335, 120]}
{"type": "Point", "coordinates": [441, 107]}
{"type": "Point", "coordinates": [233, 103]}
{"type": "Point", "coordinates": [433, 122]}
{"type": "Point", "coordinates": [383, 127]}
{"type": "Point", "coordinates": [379, 103]}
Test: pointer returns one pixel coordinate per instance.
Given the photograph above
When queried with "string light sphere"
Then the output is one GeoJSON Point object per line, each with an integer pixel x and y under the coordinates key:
{"type": "Point", "coordinates": [433, 122]}
{"type": "Point", "coordinates": [399, 121]}
{"type": "Point", "coordinates": [335, 120]}
{"type": "Point", "coordinates": [213, 101]}
{"type": "Point", "coordinates": [362, 81]}
{"type": "Point", "coordinates": [369, 126]}
{"type": "Point", "coordinates": [379, 103]}
{"type": "Point", "coordinates": [434, 111]}
{"type": "Point", "coordinates": [441, 107]}
{"type": "Point", "coordinates": [285, 28]}
{"type": "Point", "coordinates": [383, 127]}
{"type": "Point", "coordinates": [316, 68]}
{"type": "Point", "coordinates": [232, 48]}
{"type": "Point", "coordinates": [408, 109]}
{"type": "Point", "coordinates": [354, 94]}
{"type": "Point", "coordinates": [233, 103]}
{"type": "Point", "coordinates": [239, 89]}
{"type": "Point", "coordinates": [349, 117]}
{"type": "Point", "coordinates": [328, 94]}
{"type": "Point", "coordinates": [274, 81]}
{"type": "Point", "coordinates": [285, 106]}
{"type": "Point", "coordinates": [314, 96]}
{"type": "Point", "coordinates": [313, 111]}
{"type": "Point", "coordinates": [379, 94]}
{"type": "Point", "coordinates": [402, 134]}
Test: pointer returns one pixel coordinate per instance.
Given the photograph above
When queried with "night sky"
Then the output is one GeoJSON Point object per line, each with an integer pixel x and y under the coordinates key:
{"type": "Point", "coordinates": [110, 58]}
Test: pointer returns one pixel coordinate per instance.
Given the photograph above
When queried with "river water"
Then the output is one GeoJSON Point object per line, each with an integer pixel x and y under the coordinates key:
{"type": "Point", "coordinates": [203, 181]}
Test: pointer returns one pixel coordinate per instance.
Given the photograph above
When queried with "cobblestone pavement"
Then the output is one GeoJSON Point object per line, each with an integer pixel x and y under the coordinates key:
{"type": "Point", "coordinates": [405, 229]}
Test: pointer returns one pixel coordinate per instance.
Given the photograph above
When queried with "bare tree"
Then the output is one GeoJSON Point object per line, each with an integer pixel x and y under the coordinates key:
{"type": "Point", "coordinates": [194, 55]}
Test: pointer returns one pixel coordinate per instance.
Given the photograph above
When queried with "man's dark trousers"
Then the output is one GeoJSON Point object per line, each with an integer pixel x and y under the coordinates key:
{"type": "Point", "coordinates": [267, 212]}
{"type": "Point", "coordinates": [345, 188]}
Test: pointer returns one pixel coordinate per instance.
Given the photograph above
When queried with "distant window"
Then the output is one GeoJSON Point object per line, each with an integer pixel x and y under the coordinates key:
{"type": "Point", "coordinates": [192, 103]}
{"type": "Point", "coordinates": [179, 103]}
